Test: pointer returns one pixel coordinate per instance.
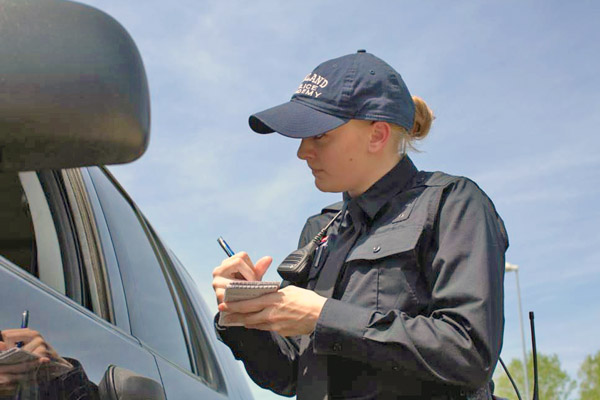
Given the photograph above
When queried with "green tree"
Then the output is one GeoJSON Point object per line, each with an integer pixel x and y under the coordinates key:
{"type": "Point", "coordinates": [589, 377]}
{"type": "Point", "coordinates": [553, 382]}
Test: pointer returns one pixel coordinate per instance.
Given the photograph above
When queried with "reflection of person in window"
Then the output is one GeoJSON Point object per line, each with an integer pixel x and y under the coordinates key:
{"type": "Point", "coordinates": [24, 377]}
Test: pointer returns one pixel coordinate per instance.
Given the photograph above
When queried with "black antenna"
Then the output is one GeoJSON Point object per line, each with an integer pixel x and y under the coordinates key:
{"type": "Point", "coordinates": [535, 367]}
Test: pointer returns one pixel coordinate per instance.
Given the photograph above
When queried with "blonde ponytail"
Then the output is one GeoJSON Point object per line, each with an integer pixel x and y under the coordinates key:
{"type": "Point", "coordinates": [423, 119]}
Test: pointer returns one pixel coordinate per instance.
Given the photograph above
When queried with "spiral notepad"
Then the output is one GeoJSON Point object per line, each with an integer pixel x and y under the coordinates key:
{"type": "Point", "coordinates": [244, 290]}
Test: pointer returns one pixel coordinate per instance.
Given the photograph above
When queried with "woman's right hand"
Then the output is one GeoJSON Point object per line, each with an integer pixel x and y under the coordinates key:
{"type": "Point", "coordinates": [33, 342]}
{"type": "Point", "coordinates": [11, 375]}
{"type": "Point", "coordinates": [238, 267]}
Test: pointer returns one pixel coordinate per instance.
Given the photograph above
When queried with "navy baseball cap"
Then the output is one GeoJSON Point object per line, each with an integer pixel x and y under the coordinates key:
{"type": "Point", "coordinates": [355, 86]}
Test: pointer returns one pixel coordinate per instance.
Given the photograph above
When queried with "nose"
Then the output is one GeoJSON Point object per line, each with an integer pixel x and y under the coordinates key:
{"type": "Point", "coordinates": [305, 151]}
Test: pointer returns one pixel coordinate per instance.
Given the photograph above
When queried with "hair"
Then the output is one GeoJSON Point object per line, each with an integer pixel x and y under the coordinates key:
{"type": "Point", "coordinates": [423, 119]}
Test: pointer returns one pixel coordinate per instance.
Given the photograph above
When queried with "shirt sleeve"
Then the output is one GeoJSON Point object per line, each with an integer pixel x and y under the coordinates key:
{"type": "Point", "coordinates": [458, 340]}
{"type": "Point", "coordinates": [270, 359]}
{"type": "Point", "coordinates": [73, 385]}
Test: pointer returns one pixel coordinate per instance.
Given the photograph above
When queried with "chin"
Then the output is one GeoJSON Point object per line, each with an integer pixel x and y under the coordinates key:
{"type": "Point", "coordinates": [327, 187]}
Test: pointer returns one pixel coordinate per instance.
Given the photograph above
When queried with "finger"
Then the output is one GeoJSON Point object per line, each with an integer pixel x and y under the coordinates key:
{"type": "Point", "coordinates": [263, 317]}
{"type": "Point", "coordinates": [65, 362]}
{"type": "Point", "coordinates": [39, 347]}
{"type": "Point", "coordinates": [252, 305]}
{"type": "Point", "coordinates": [219, 285]}
{"type": "Point", "coordinates": [32, 345]}
{"type": "Point", "coordinates": [233, 318]}
{"type": "Point", "coordinates": [249, 320]}
{"type": "Point", "coordinates": [220, 294]}
{"type": "Point", "coordinates": [261, 267]}
{"type": "Point", "coordinates": [238, 263]}
{"type": "Point", "coordinates": [249, 273]}
{"type": "Point", "coordinates": [220, 282]}
{"type": "Point", "coordinates": [14, 336]}
{"type": "Point", "coordinates": [53, 354]}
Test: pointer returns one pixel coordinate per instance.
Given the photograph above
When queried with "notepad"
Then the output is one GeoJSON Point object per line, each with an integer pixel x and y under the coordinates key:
{"type": "Point", "coordinates": [47, 370]}
{"type": "Point", "coordinates": [244, 290]}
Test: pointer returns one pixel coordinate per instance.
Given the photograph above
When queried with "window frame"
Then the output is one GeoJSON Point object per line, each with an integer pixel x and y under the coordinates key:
{"type": "Point", "coordinates": [202, 357]}
{"type": "Point", "coordinates": [62, 217]}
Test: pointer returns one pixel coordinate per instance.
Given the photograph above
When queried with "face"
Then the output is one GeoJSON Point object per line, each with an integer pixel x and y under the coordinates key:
{"type": "Point", "coordinates": [338, 158]}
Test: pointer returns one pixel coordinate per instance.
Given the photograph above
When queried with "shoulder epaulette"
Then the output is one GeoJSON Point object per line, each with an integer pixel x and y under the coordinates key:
{"type": "Point", "coordinates": [438, 179]}
{"type": "Point", "coordinates": [333, 207]}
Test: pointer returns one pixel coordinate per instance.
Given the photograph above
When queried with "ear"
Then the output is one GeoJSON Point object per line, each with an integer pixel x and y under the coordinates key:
{"type": "Point", "coordinates": [380, 136]}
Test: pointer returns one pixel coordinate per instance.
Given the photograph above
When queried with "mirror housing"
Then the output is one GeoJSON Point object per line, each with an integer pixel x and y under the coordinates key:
{"type": "Point", "coordinates": [73, 90]}
{"type": "Point", "coordinates": [122, 384]}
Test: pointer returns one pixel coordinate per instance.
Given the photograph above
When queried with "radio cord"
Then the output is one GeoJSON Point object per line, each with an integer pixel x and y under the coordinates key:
{"type": "Point", "coordinates": [510, 378]}
{"type": "Point", "coordinates": [317, 239]}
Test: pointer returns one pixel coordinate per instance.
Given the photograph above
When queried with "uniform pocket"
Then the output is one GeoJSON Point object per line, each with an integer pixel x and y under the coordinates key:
{"type": "Point", "coordinates": [391, 261]}
{"type": "Point", "coordinates": [400, 239]}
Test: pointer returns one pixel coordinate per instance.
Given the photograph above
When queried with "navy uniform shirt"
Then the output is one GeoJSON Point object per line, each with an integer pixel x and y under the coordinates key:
{"type": "Point", "coordinates": [417, 310]}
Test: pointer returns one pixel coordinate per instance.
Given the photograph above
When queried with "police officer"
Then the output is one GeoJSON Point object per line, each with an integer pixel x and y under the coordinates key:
{"type": "Point", "coordinates": [405, 298]}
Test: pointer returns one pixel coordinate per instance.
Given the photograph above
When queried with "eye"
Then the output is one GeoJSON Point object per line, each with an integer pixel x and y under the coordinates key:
{"type": "Point", "coordinates": [318, 137]}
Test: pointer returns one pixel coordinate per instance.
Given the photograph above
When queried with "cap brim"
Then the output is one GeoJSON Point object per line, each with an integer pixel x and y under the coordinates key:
{"type": "Point", "coordinates": [294, 119]}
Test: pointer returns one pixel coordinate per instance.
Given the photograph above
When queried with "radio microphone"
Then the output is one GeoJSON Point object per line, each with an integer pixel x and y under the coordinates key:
{"type": "Point", "coordinates": [294, 268]}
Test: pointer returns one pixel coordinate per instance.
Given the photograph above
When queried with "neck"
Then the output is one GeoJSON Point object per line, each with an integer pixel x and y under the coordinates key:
{"type": "Point", "coordinates": [375, 172]}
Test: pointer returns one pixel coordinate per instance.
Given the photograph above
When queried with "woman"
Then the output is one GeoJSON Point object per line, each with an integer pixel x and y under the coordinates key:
{"type": "Point", "coordinates": [404, 298]}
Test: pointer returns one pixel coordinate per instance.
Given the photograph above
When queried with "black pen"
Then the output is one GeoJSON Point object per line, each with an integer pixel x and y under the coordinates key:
{"type": "Point", "coordinates": [24, 324]}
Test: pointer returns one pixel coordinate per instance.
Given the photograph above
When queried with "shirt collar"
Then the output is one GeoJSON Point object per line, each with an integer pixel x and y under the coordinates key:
{"type": "Point", "coordinates": [382, 191]}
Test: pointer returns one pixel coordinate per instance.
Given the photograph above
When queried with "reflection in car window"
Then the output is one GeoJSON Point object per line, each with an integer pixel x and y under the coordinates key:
{"type": "Point", "coordinates": [38, 233]}
{"type": "Point", "coordinates": [28, 237]}
{"type": "Point", "coordinates": [153, 315]}
{"type": "Point", "coordinates": [17, 238]}
{"type": "Point", "coordinates": [49, 261]}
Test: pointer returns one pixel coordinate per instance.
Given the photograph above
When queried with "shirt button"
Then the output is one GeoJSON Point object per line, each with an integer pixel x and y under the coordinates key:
{"type": "Point", "coordinates": [376, 249]}
{"type": "Point", "coordinates": [337, 347]}
{"type": "Point", "coordinates": [396, 368]}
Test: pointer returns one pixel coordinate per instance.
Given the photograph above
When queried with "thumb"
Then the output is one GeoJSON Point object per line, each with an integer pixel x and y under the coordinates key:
{"type": "Point", "coordinates": [3, 346]}
{"type": "Point", "coordinates": [261, 266]}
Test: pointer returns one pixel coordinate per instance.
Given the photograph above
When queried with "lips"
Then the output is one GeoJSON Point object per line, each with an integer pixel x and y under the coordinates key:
{"type": "Point", "coordinates": [315, 170]}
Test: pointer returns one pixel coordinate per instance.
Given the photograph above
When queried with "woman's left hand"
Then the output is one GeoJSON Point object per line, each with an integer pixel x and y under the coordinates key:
{"type": "Point", "coordinates": [290, 311]}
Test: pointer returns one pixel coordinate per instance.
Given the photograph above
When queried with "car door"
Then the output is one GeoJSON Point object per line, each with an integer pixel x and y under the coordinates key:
{"type": "Point", "coordinates": [199, 316]}
{"type": "Point", "coordinates": [161, 313]}
{"type": "Point", "coordinates": [50, 264]}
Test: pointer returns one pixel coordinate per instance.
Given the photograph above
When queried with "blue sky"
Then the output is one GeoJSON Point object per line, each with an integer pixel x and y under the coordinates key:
{"type": "Point", "coordinates": [514, 86]}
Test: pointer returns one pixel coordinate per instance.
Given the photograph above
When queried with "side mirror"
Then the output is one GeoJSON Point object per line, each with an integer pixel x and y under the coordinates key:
{"type": "Point", "coordinates": [73, 89]}
{"type": "Point", "coordinates": [121, 384]}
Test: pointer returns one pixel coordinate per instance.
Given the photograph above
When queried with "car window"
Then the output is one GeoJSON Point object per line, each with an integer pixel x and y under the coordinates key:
{"type": "Point", "coordinates": [153, 315]}
{"type": "Point", "coordinates": [38, 234]}
{"type": "Point", "coordinates": [204, 361]}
